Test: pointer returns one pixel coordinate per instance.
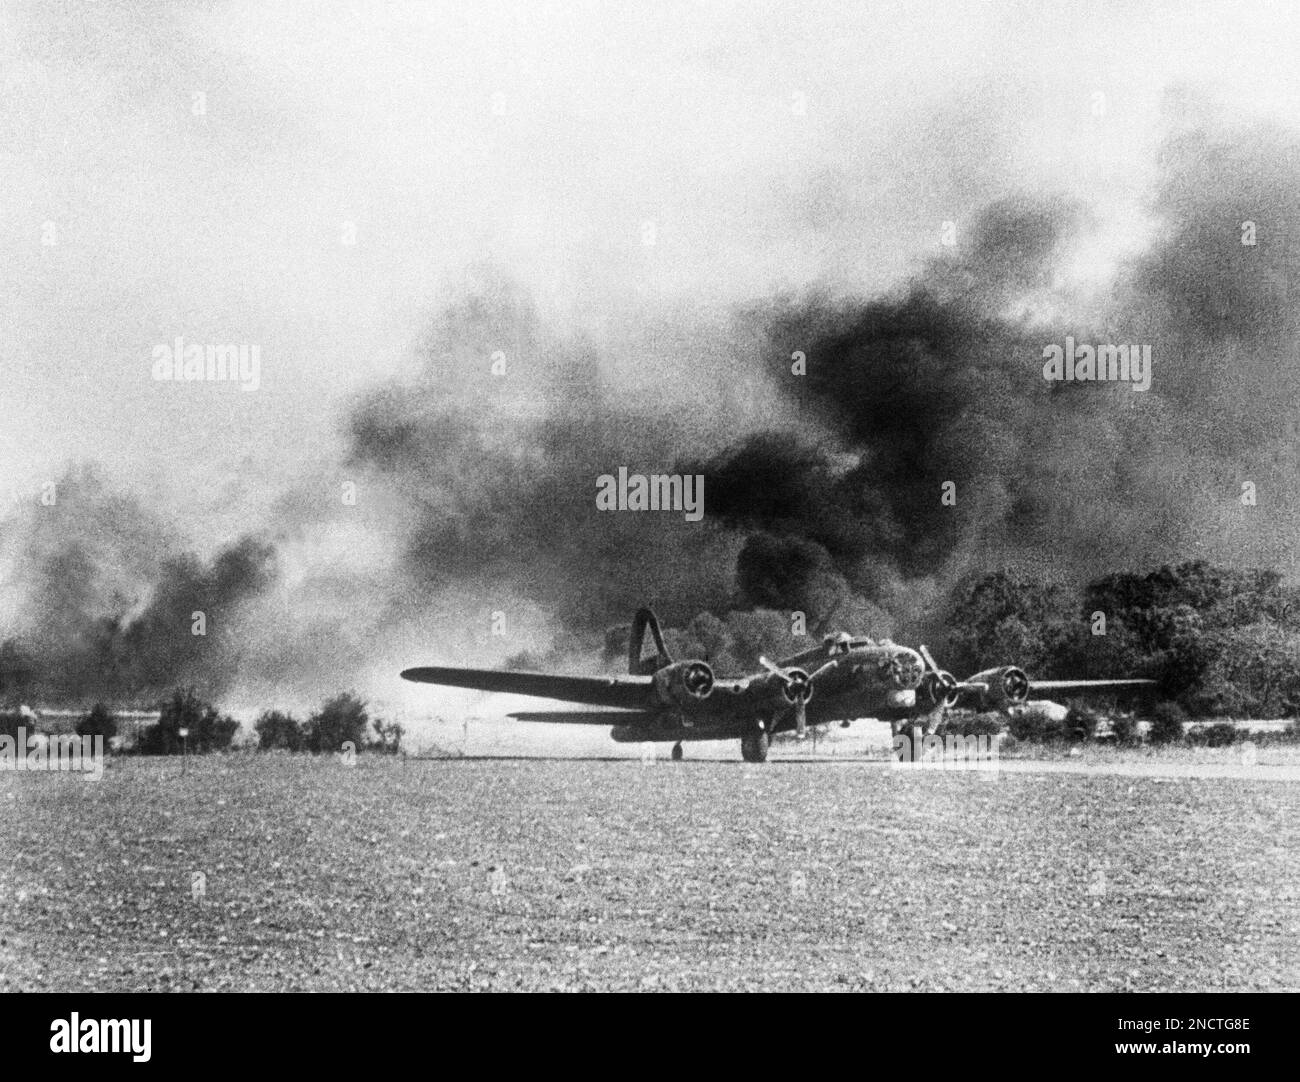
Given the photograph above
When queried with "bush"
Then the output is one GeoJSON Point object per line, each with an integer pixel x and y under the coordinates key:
{"type": "Point", "coordinates": [1081, 722]}
{"type": "Point", "coordinates": [1036, 725]}
{"type": "Point", "coordinates": [152, 740]}
{"type": "Point", "coordinates": [987, 724]}
{"type": "Point", "coordinates": [342, 720]}
{"type": "Point", "coordinates": [276, 729]}
{"type": "Point", "coordinates": [216, 731]}
{"type": "Point", "coordinates": [1222, 734]}
{"type": "Point", "coordinates": [388, 736]}
{"type": "Point", "coordinates": [10, 723]}
{"type": "Point", "coordinates": [209, 729]}
{"type": "Point", "coordinates": [1167, 723]}
{"type": "Point", "coordinates": [99, 722]}
{"type": "Point", "coordinates": [1125, 728]}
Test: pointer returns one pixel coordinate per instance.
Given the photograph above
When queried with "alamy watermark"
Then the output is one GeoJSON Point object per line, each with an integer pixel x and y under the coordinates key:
{"type": "Point", "coordinates": [1114, 363]}
{"type": "Point", "coordinates": [208, 363]}
{"type": "Point", "coordinates": [658, 492]}
{"type": "Point", "coordinates": [951, 752]}
{"type": "Point", "coordinates": [61, 753]}
{"type": "Point", "coordinates": [111, 1035]}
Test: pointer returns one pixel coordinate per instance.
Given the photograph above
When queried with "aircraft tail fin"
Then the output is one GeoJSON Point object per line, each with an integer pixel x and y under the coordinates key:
{"type": "Point", "coordinates": [646, 666]}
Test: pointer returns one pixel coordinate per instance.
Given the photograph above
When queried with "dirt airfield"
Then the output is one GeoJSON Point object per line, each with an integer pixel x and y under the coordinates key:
{"type": "Point", "coordinates": [275, 872]}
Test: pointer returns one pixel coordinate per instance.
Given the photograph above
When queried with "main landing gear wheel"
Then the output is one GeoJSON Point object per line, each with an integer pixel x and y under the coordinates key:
{"type": "Point", "coordinates": [753, 748]}
{"type": "Point", "coordinates": [677, 752]}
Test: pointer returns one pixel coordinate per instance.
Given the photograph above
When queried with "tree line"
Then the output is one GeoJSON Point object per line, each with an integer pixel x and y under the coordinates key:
{"type": "Point", "coordinates": [1220, 642]}
{"type": "Point", "coordinates": [342, 721]}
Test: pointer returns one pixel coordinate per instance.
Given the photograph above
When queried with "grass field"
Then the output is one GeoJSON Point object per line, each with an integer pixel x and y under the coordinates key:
{"type": "Point", "coordinates": [275, 872]}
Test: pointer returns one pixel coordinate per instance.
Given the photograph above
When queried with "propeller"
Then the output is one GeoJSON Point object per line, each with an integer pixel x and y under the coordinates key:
{"type": "Point", "coordinates": [941, 686]}
{"type": "Point", "coordinates": [798, 689]}
{"type": "Point", "coordinates": [1016, 685]}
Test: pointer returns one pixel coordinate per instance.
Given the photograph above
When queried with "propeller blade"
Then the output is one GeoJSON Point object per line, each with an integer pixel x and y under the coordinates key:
{"type": "Point", "coordinates": [798, 690]}
{"type": "Point", "coordinates": [929, 660]}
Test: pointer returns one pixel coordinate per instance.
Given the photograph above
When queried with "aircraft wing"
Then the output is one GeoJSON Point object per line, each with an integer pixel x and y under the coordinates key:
{"type": "Point", "coordinates": [1083, 685]}
{"type": "Point", "coordinates": [625, 692]}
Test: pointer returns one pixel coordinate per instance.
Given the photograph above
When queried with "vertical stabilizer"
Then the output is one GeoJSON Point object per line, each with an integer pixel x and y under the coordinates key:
{"type": "Point", "coordinates": [636, 664]}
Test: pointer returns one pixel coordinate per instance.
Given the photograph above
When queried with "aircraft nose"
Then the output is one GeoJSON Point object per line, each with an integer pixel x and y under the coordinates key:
{"type": "Point", "coordinates": [906, 668]}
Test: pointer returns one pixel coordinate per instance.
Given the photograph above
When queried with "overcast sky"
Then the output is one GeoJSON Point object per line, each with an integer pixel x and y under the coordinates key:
{"type": "Point", "coordinates": [201, 162]}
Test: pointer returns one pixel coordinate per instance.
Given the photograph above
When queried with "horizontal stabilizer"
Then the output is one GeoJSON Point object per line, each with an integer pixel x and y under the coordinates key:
{"type": "Point", "coordinates": [585, 717]}
{"type": "Point", "coordinates": [622, 692]}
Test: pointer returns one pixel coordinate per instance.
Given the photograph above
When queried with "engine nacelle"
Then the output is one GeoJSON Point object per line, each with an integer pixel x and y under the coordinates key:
{"type": "Point", "coordinates": [1006, 686]}
{"type": "Point", "coordinates": [940, 689]}
{"type": "Point", "coordinates": [905, 669]}
{"type": "Point", "coordinates": [790, 686]}
{"type": "Point", "coordinates": [683, 683]}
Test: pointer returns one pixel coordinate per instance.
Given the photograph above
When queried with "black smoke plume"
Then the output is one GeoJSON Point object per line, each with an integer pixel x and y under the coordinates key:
{"type": "Point", "coordinates": [113, 607]}
{"type": "Point", "coordinates": [824, 491]}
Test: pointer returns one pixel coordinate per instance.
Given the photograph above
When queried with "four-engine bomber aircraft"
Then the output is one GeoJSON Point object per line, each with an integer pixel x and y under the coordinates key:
{"type": "Point", "coordinates": [840, 679]}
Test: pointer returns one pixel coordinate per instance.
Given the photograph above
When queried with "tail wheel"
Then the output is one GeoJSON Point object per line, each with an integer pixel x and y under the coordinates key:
{"type": "Point", "coordinates": [753, 748]}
